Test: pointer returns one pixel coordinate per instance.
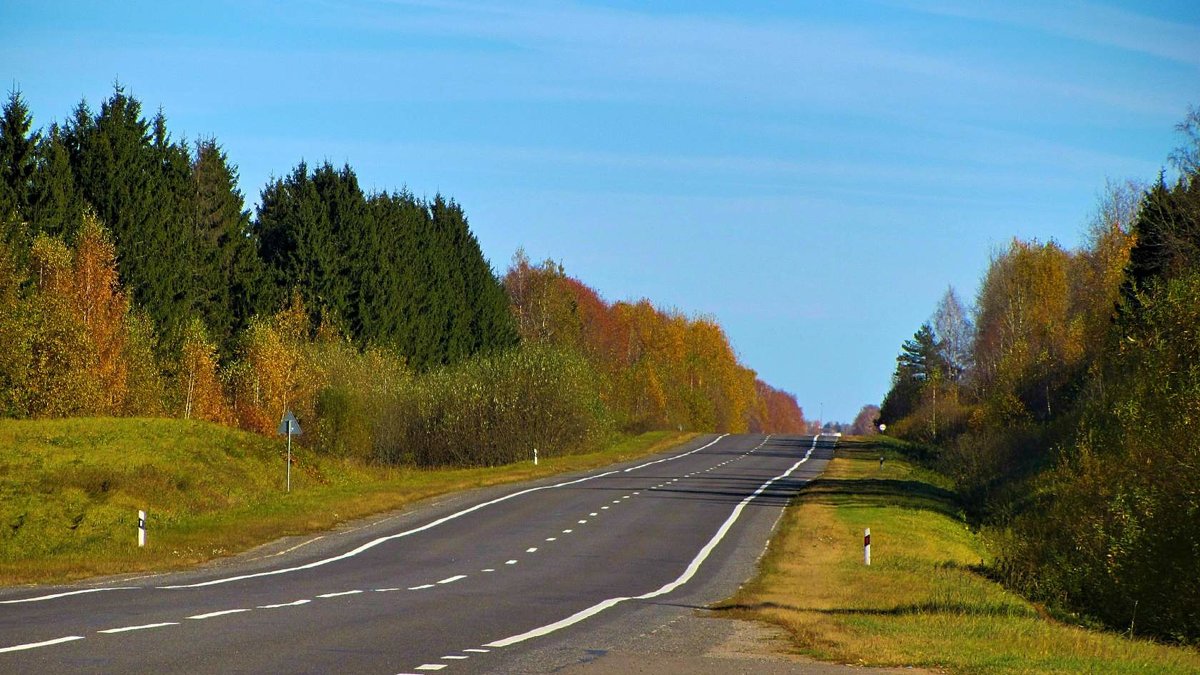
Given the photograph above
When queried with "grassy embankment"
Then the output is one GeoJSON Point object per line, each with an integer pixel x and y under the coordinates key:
{"type": "Point", "coordinates": [70, 491]}
{"type": "Point", "coordinates": [922, 602]}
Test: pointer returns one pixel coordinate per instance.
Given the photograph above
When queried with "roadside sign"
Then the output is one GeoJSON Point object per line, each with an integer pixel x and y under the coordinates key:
{"type": "Point", "coordinates": [289, 425]}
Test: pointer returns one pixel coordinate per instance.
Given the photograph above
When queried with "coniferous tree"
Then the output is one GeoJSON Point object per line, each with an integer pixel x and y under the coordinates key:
{"type": "Point", "coordinates": [17, 156]}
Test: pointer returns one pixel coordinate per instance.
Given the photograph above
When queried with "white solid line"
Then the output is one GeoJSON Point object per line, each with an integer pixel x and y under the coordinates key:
{"type": "Point", "coordinates": [510, 562]}
{"type": "Point", "coordinates": [668, 459]}
{"type": "Point", "coordinates": [375, 542]}
{"type": "Point", "coordinates": [338, 594]}
{"type": "Point", "coordinates": [142, 627]}
{"type": "Point", "coordinates": [35, 645]}
{"type": "Point", "coordinates": [220, 613]}
{"type": "Point", "coordinates": [431, 666]}
{"type": "Point", "coordinates": [63, 595]}
{"type": "Point", "coordinates": [531, 549]}
{"type": "Point", "coordinates": [450, 580]}
{"type": "Point", "coordinates": [477, 651]}
{"type": "Point", "coordinates": [428, 526]}
{"type": "Point", "coordinates": [687, 575]}
{"type": "Point", "coordinates": [421, 587]}
{"type": "Point", "coordinates": [285, 604]}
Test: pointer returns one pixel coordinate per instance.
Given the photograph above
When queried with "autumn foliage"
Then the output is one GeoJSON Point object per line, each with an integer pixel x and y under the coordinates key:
{"type": "Point", "coordinates": [658, 369]}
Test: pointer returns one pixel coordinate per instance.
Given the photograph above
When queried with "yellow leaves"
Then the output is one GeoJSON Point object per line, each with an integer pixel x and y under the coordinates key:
{"type": "Point", "coordinates": [200, 386]}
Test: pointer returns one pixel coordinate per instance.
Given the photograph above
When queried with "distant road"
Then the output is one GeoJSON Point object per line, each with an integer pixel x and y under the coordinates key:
{"type": "Point", "coordinates": [477, 583]}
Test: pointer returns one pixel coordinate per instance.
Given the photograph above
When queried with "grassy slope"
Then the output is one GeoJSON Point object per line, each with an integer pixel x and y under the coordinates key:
{"type": "Point", "coordinates": [70, 491]}
{"type": "Point", "coordinates": [920, 603]}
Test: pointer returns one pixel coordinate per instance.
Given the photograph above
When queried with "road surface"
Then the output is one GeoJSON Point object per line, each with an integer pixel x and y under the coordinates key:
{"type": "Point", "coordinates": [511, 579]}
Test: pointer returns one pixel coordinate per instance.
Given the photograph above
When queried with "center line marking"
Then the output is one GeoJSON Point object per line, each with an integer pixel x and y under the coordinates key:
{"type": "Point", "coordinates": [455, 657]}
{"type": "Point", "coordinates": [477, 651]}
{"type": "Point", "coordinates": [603, 508]}
{"type": "Point", "coordinates": [431, 666]}
{"type": "Point", "coordinates": [551, 538]}
{"type": "Point", "coordinates": [450, 580]}
{"type": "Point", "coordinates": [285, 604]}
{"type": "Point", "coordinates": [223, 612]}
{"type": "Point", "coordinates": [338, 594]}
{"type": "Point", "coordinates": [583, 522]}
{"type": "Point", "coordinates": [593, 514]}
{"type": "Point", "coordinates": [568, 531]}
{"type": "Point", "coordinates": [47, 643]}
{"type": "Point", "coordinates": [531, 549]}
{"type": "Point", "coordinates": [385, 590]}
{"type": "Point", "coordinates": [489, 569]}
{"type": "Point", "coordinates": [510, 562]}
{"type": "Point", "coordinates": [420, 588]}
{"type": "Point", "coordinates": [142, 627]}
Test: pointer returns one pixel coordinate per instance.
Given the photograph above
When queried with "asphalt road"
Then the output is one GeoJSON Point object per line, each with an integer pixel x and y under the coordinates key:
{"type": "Point", "coordinates": [512, 579]}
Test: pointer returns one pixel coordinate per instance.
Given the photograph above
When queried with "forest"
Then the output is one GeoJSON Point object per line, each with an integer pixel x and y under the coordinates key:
{"type": "Point", "coordinates": [1065, 404]}
{"type": "Point", "coordinates": [135, 281]}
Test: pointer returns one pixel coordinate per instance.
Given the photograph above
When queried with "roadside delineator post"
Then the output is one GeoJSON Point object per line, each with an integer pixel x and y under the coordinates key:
{"type": "Point", "coordinates": [141, 529]}
{"type": "Point", "coordinates": [867, 547]}
{"type": "Point", "coordinates": [535, 456]}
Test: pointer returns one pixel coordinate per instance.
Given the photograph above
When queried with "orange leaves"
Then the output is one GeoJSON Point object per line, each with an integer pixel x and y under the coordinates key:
{"type": "Point", "coordinates": [659, 369]}
{"type": "Point", "coordinates": [200, 387]}
{"type": "Point", "coordinates": [101, 306]}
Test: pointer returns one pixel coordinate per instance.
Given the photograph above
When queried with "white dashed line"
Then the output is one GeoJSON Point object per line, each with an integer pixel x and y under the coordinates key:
{"type": "Point", "coordinates": [531, 549]}
{"type": "Point", "coordinates": [420, 588]}
{"type": "Point", "coordinates": [223, 612]}
{"type": "Point", "coordinates": [488, 569]}
{"type": "Point", "coordinates": [455, 657]}
{"type": "Point", "coordinates": [285, 604]}
{"type": "Point", "coordinates": [568, 531]}
{"type": "Point", "coordinates": [431, 666]}
{"type": "Point", "coordinates": [386, 590]}
{"type": "Point", "coordinates": [142, 627]}
{"type": "Point", "coordinates": [605, 508]}
{"type": "Point", "coordinates": [551, 538]}
{"type": "Point", "coordinates": [510, 562]}
{"type": "Point", "coordinates": [593, 514]}
{"type": "Point", "coordinates": [450, 580]}
{"type": "Point", "coordinates": [338, 594]}
{"type": "Point", "coordinates": [583, 522]}
{"type": "Point", "coordinates": [35, 645]}
{"type": "Point", "coordinates": [477, 651]}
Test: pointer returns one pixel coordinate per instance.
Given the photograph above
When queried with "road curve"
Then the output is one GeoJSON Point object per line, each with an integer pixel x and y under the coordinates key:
{"type": "Point", "coordinates": [477, 583]}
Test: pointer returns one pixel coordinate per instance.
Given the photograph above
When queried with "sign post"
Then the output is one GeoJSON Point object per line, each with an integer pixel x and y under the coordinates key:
{"type": "Point", "coordinates": [289, 426]}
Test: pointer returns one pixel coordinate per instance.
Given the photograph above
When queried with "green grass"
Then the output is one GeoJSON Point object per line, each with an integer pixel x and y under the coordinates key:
{"type": "Point", "coordinates": [923, 601]}
{"type": "Point", "coordinates": [70, 491]}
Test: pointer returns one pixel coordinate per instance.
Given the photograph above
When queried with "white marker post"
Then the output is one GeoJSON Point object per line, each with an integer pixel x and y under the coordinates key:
{"type": "Point", "coordinates": [535, 456]}
{"type": "Point", "coordinates": [289, 426]}
{"type": "Point", "coordinates": [141, 529]}
{"type": "Point", "coordinates": [867, 547]}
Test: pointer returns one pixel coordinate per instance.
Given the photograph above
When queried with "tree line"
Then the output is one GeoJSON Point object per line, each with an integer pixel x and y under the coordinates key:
{"type": "Point", "coordinates": [1065, 405]}
{"type": "Point", "coordinates": [135, 281]}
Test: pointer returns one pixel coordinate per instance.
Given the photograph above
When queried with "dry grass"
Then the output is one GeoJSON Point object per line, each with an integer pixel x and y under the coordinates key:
{"type": "Point", "coordinates": [922, 602]}
{"type": "Point", "coordinates": [70, 491]}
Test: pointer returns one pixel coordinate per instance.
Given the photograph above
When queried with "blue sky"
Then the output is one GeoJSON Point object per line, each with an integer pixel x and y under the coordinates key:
{"type": "Point", "coordinates": [814, 175]}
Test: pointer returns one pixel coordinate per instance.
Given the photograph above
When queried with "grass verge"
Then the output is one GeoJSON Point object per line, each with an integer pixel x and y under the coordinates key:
{"type": "Point", "coordinates": [70, 491]}
{"type": "Point", "coordinates": [922, 601]}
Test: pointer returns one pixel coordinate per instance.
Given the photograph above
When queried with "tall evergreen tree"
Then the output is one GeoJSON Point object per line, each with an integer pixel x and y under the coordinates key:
{"type": "Point", "coordinates": [17, 157]}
